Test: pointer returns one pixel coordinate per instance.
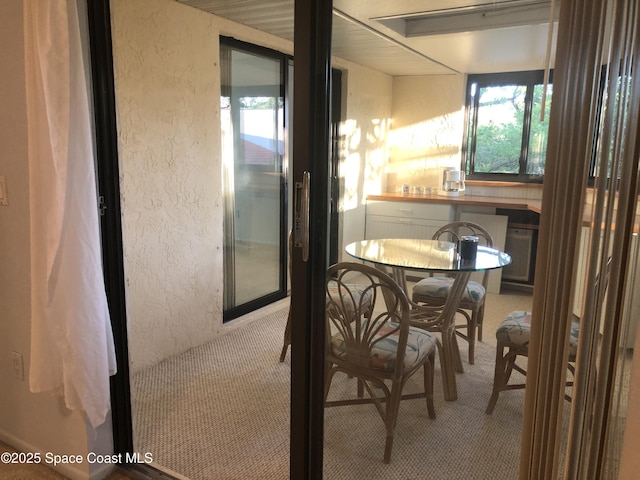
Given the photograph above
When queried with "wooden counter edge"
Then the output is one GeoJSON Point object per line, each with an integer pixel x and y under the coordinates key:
{"type": "Point", "coordinates": [475, 200]}
{"type": "Point", "coordinates": [479, 201]}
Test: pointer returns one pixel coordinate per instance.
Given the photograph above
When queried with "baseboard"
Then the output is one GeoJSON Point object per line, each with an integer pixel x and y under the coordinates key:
{"type": "Point", "coordinates": [71, 471]}
{"type": "Point", "coordinates": [102, 471]}
{"type": "Point", "coordinates": [515, 287]}
{"type": "Point", "coordinates": [146, 471]}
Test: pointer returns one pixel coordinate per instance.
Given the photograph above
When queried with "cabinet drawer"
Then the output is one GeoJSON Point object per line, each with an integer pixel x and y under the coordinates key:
{"type": "Point", "coordinates": [380, 226]}
{"type": "Point", "coordinates": [429, 211]}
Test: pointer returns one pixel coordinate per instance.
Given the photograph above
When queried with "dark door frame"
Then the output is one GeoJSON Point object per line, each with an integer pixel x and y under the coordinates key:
{"type": "Point", "coordinates": [311, 153]}
{"type": "Point", "coordinates": [99, 22]}
{"type": "Point", "coordinates": [311, 147]}
{"type": "Point", "coordinates": [336, 119]}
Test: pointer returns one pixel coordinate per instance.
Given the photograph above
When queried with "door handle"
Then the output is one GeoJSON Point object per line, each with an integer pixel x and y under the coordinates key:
{"type": "Point", "coordinates": [301, 215]}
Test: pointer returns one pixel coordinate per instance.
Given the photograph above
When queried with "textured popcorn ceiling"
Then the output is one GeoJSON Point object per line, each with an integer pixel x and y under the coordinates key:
{"type": "Point", "coordinates": [383, 35]}
{"type": "Point", "coordinates": [427, 129]}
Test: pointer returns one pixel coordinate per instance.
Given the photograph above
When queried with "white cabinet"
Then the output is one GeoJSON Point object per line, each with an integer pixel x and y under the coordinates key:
{"type": "Point", "coordinates": [405, 219]}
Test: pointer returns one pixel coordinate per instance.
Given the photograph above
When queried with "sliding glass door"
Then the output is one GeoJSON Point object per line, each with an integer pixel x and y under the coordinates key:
{"type": "Point", "coordinates": [254, 152]}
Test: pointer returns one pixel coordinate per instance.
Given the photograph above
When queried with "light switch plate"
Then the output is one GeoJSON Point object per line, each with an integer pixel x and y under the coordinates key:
{"type": "Point", "coordinates": [4, 198]}
{"type": "Point", "coordinates": [17, 363]}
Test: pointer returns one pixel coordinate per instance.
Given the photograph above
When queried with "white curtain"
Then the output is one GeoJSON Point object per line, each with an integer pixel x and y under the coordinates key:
{"type": "Point", "coordinates": [72, 352]}
{"type": "Point", "coordinates": [594, 128]}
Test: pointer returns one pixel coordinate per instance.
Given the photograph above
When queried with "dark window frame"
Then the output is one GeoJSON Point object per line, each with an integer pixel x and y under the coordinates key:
{"type": "Point", "coordinates": [528, 79]}
{"type": "Point", "coordinates": [232, 312]}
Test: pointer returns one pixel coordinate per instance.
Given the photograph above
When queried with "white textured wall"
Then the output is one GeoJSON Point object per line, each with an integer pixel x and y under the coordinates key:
{"type": "Point", "coordinates": [427, 128]}
{"type": "Point", "coordinates": [167, 95]}
{"type": "Point", "coordinates": [367, 98]}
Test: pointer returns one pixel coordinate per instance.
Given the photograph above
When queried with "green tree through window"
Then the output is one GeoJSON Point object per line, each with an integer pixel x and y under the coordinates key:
{"type": "Point", "coordinates": [505, 136]}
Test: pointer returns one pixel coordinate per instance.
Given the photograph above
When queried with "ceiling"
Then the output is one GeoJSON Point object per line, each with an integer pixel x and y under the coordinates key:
{"type": "Point", "coordinates": [399, 37]}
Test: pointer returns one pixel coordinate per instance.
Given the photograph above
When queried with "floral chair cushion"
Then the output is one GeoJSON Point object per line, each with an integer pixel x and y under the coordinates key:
{"type": "Point", "coordinates": [420, 343]}
{"type": "Point", "coordinates": [438, 287]}
{"type": "Point", "coordinates": [516, 329]}
{"type": "Point", "coordinates": [356, 290]}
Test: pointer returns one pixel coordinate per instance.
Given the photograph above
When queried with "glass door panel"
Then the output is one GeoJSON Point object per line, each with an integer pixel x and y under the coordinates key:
{"type": "Point", "coordinates": [252, 120]}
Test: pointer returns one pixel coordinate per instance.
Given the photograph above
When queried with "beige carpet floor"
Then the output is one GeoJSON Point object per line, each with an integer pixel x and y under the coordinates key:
{"type": "Point", "coordinates": [221, 411]}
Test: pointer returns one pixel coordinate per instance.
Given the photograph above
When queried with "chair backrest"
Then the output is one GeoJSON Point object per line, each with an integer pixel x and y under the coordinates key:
{"type": "Point", "coordinates": [367, 315]}
{"type": "Point", "coordinates": [452, 232]}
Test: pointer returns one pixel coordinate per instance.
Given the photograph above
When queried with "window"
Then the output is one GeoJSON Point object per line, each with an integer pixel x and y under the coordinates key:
{"type": "Point", "coordinates": [615, 94]}
{"type": "Point", "coordinates": [505, 139]}
{"type": "Point", "coordinates": [254, 127]}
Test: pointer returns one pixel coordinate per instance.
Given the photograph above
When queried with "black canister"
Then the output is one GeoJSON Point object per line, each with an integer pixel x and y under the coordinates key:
{"type": "Point", "coordinates": [468, 247]}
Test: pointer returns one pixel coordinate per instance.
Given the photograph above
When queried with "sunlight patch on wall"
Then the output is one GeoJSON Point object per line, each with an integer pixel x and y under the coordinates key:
{"type": "Point", "coordinates": [351, 174]}
{"type": "Point", "coordinates": [427, 129]}
{"type": "Point", "coordinates": [363, 168]}
{"type": "Point", "coordinates": [351, 163]}
{"type": "Point", "coordinates": [376, 160]}
{"type": "Point", "coordinates": [418, 152]}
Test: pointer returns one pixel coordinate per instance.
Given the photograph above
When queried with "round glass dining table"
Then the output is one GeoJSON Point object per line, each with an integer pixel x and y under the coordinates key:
{"type": "Point", "coordinates": [433, 256]}
{"type": "Point", "coordinates": [425, 255]}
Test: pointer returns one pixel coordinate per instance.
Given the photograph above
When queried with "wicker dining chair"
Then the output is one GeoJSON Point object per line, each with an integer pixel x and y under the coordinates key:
{"type": "Point", "coordinates": [434, 318]}
{"type": "Point", "coordinates": [513, 335]}
{"type": "Point", "coordinates": [434, 289]}
{"type": "Point", "coordinates": [373, 341]}
{"type": "Point", "coordinates": [287, 330]}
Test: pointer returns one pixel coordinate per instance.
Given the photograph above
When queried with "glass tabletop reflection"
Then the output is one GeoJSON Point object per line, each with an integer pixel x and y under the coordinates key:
{"type": "Point", "coordinates": [427, 255]}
